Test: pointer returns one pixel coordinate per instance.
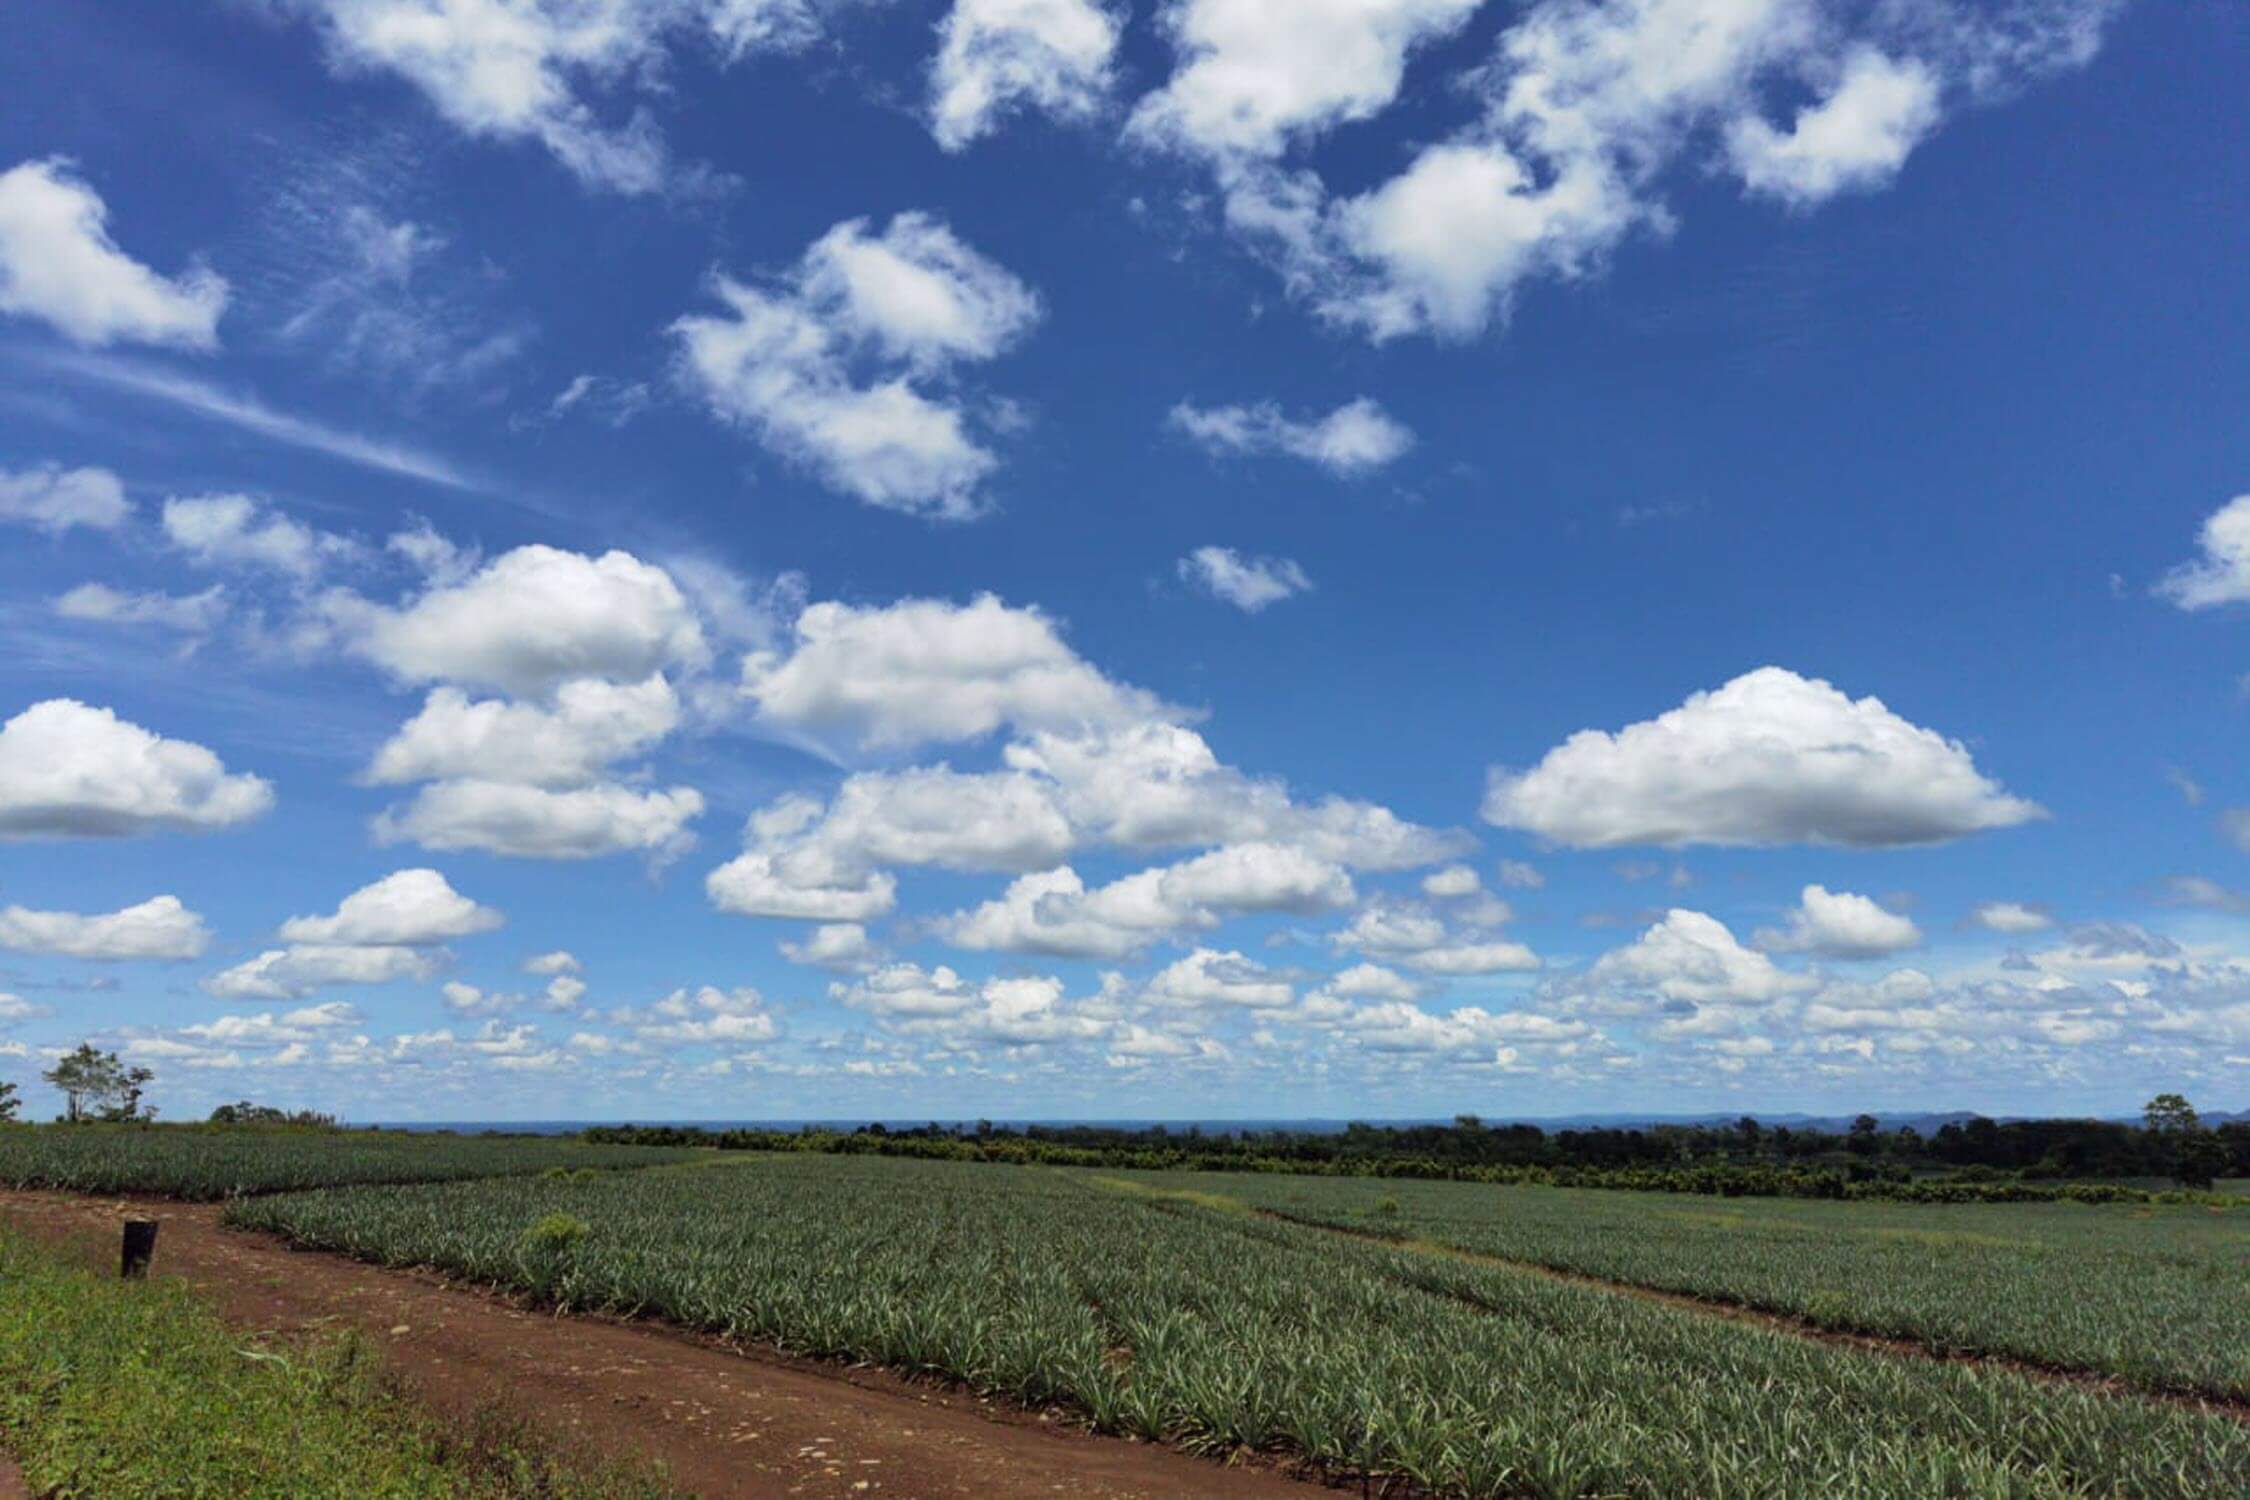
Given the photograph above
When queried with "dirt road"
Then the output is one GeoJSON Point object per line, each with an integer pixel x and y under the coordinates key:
{"type": "Point", "coordinates": [724, 1421]}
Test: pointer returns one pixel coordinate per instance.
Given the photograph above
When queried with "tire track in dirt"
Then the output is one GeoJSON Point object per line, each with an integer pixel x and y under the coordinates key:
{"type": "Point", "coordinates": [726, 1420]}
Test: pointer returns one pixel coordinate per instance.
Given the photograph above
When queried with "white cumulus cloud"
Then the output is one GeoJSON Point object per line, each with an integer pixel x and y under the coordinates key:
{"type": "Point", "coordinates": [1022, 1011]}
{"type": "Point", "coordinates": [706, 1016]}
{"type": "Point", "coordinates": [2010, 917]}
{"type": "Point", "coordinates": [411, 908]}
{"type": "Point", "coordinates": [1420, 939]}
{"type": "Point", "coordinates": [1770, 758]}
{"type": "Point", "coordinates": [998, 56]}
{"type": "Point", "coordinates": [1840, 924]}
{"type": "Point", "coordinates": [924, 671]}
{"type": "Point", "coordinates": [1153, 786]}
{"type": "Point", "coordinates": [1582, 114]}
{"type": "Point", "coordinates": [239, 530]}
{"type": "Point", "coordinates": [842, 946]}
{"type": "Point", "coordinates": [2222, 574]}
{"type": "Point", "coordinates": [533, 619]}
{"type": "Point", "coordinates": [583, 645]}
{"type": "Point", "coordinates": [58, 264]}
{"type": "Point", "coordinates": [1247, 583]}
{"type": "Point", "coordinates": [534, 822]}
{"type": "Point", "coordinates": [54, 499]}
{"type": "Point", "coordinates": [590, 723]}
{"type": "Point", "coordinates": [520, 70]}
{"type": "Point", "coordinates": [1255, 73]}
{"type": "Point", "coordinates": [191, 614]}
{"type": "Point", "coordinates": [1159, 785]}
{"type": "Point", "coordinates": [767, 883]}
{"type": "Point", "coordinates": [1355, 438]}
{"type": "Point", "coordinates": [1211, 977]}
{"type": "Point", "coordinates": [1053, 912]}
{"type": "Point", "coordinates": [1372, 982]}
{"type": "Point", "coordinates": [160, 927]}
{"type": "Point", "coordinates": [843, 367]}
{"type": "Point", "coordinates": [385, 931]}
{"type": "Point", "coordinates": [1397, 1026]}
{"type": "Point", "coordinates": [1452, 881]}
{"type": "Point", "coordinates": [301, 969]}
{"type": "Point", "coordinates": [1691, 957]}
{"type": "Point", "coordinates": [70, 770]}
{"type": "Point", "coordinates": [1855, 138]}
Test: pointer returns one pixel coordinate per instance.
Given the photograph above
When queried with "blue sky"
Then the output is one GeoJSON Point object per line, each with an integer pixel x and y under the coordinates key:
{"type": "Point", "coordinates": [747, 558]}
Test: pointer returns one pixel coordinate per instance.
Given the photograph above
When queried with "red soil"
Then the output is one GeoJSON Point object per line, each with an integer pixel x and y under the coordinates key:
{"type": "Point", "coordinates": [724, 1420]}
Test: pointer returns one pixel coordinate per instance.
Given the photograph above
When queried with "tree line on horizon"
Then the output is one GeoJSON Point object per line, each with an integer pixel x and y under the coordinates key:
{"type": "Point", "coordinates": [2170, 1140]}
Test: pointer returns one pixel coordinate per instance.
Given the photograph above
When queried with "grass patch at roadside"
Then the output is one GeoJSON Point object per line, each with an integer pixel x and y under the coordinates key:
{"type": "Point", "coordinates": [117, 1388]}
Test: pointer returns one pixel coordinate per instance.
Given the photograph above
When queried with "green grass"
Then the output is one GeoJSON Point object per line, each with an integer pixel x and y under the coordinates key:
{"type": "Point", "coordinates": [1216, 1329]}
{"type": "Point", "coordinates": [120, 1389]}
{"type": "Point", "coordinates": [2159, 1295]}
{"type": "Point", "coordinates": [206, 1162]}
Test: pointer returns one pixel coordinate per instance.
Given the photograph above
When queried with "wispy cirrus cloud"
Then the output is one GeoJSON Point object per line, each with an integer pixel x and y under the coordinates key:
{"type": "Point", "coordinates": [242, 410]}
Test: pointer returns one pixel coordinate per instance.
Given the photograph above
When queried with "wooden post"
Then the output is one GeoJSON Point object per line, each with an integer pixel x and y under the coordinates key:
{"type": "Point", "coordinates": [140, 1248]}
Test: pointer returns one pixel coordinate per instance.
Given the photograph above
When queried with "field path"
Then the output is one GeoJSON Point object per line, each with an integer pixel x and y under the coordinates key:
{"type": "Point", "coordinates": [726, 1421]}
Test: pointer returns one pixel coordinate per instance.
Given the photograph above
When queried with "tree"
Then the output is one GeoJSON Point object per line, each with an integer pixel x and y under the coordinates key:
{"type": "Point", "coordinates": [2194, 1155]}
{"type": "Point", "coordinates": [1863, 1140]}
{"type": "Point", "coordinates": [2198, 1158]}
{"type": "Point", "coordinates": [129, 1106]}
{"type": "Point", "coordinates": [2171, 1114]}
{"type": "Point", "coordinates": [98, 1086]}
{"type": "Point", "coordinates": [9, 1103]}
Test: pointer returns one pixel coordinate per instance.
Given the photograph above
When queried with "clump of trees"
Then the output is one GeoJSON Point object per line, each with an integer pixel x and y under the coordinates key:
{"type": "Point", "coordinates": [1973, 1160]}
{"type": "Point", "coordinates": [2196, 1157]}
{"type": "Point", "coordinates": [246, 1113]}
{"type": "Point", "coordinates": [97, 1085]}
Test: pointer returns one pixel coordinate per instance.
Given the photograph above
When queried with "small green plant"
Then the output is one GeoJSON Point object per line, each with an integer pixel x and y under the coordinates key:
{"type": "Point", "coordinates": [1386, 1208]}
{"type": "Point", "coordinates": [556, 1234]}
{"type": "Point", "coordinates": [550, 1249]}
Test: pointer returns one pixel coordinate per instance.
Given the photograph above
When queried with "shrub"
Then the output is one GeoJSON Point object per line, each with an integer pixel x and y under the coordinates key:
{"type": "Point", "coordinates": [550, 1250]}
